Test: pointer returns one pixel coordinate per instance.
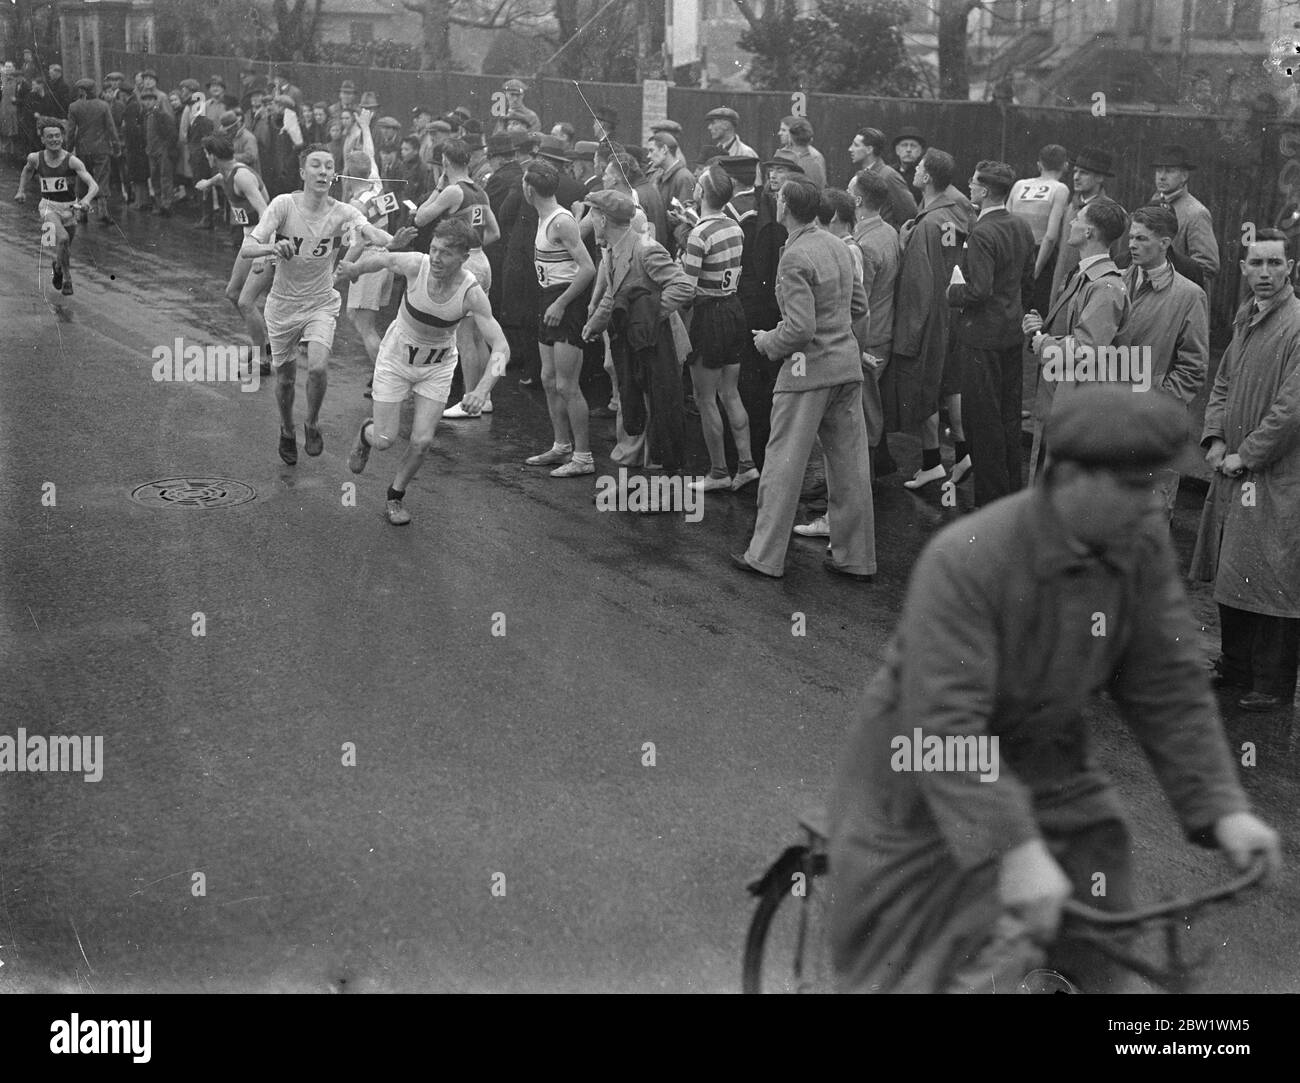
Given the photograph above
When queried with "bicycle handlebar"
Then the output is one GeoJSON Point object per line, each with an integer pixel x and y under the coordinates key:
{"type": "Point", "coordinates": [1175, 907]}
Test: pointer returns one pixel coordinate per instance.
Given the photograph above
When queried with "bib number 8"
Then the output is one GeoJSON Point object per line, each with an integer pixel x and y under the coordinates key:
{"type": "Point", "coordinates": [541, 274]}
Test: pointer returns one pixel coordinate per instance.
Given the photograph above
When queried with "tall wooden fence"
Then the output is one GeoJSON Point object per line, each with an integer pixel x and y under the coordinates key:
{"type": "Point", "coordinates": [1249, 167]}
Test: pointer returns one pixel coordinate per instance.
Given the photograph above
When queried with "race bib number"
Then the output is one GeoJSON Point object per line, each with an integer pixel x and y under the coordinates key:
{"type": "Point", "coordinates": [322, 247]}
{"type": "Point", "coordinates": [239, 216]}
{"type": "Point", "coordinates": [386, 203]}
{"type": "Point", "coordinates": [1035, 193]}
{"type": "Point", "coordinates": [54, 184]}
{"type": "Point", "coordinates": [476, 216]}
{"type": "Point", "coordinates": [730, 277]}
{"type": "Point", "coordinates": [425, 355]}
{"type": "Point", "coordinates": [542, 277]}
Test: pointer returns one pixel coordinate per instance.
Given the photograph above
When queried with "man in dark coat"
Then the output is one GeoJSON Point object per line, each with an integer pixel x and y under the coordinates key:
{"type": "Point", "coordinates": [755, 211]}
{"type": "Point", "coordinates": [997, 265]}
{"type": "Point", "coordinates": [968, 802]}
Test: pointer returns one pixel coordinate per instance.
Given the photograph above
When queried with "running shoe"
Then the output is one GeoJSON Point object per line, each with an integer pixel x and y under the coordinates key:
{"type": "Point", "coordinates": [960, 469]}
{"type": "Point", "coordinates": [924, 477]}
{"type": "Point", "coordinates": [550, 458]}
{"type": "Point", "coordinates": [66, 289]}
{"type": "Point", "coordinates": [360, 450]}
{"type": "Point", "coordinates": [818, 528]}
{"type": "Point", "coordinates": [56, 277]}
{"type": "Point", "coordinates": [574, 468]}
{"type": "Point", "coordinates": [313, 443]}
{"type": "Point", "coordinates": [709, 484]}
{"type": "Point", "coordinates": [457, 412]}
{"type": "Point", "coordinates": [289, 449]}
{"type": "Point", "coordinates": [745, 477]}
{"type": "Point", "coordinates": [398, 515]}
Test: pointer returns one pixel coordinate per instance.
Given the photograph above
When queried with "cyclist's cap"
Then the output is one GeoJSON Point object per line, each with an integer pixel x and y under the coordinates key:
{"type": "Point", "coordinates": [1117, 427]}
{"type": "Point", "coordinates": [613, 205]}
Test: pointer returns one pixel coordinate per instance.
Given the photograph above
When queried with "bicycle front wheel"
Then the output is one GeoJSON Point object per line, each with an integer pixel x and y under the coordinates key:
{"type": "Point", "coordinates": [786, 949]}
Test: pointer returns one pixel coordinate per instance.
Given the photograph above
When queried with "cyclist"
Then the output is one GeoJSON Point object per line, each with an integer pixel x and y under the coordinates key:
{"type": "Point", "coordinates": [1015, 616]}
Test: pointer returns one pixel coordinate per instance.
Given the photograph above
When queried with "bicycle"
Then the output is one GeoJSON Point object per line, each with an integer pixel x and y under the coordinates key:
{"type": "Point", "coordinates": [786, 949]}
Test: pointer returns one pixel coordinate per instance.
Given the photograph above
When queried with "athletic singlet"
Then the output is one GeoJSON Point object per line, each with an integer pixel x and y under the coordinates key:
{"type": "Point", "coordinates": [1032, 201]}
{"type": "Point", "coordinates": [306, 280]}
{"type": "Point", "coordinates": [57, 181]}
{"type": "Point", "coordinates": [555, 267]}
{"type": "Point", "coordinates": [472, 210]}
{"type": "Point", "coordinates": [431, 324]}
{"type": "Point", "coordinates": [242, 212]}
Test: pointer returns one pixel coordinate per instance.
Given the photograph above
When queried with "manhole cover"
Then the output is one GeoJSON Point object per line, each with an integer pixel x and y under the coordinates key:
{"type": "Point", "coordinates": [193, 493]}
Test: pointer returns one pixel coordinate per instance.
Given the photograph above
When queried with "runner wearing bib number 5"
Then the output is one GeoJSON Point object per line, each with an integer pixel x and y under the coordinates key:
{"type": "Point", "coordinates": [247, 198]}
{"type": "Point", "coordinates": [565, 271]}
{"type": "Point", "coordinates": [463, 200]}
{"type": "Point", "coordinates": [56, 169]}
{"type": "Point", "coordinates": [418, 352]}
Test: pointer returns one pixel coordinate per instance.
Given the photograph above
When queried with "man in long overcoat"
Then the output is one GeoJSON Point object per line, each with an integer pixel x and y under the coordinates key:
{"type": "Point", "coordinates": [1249, 541]}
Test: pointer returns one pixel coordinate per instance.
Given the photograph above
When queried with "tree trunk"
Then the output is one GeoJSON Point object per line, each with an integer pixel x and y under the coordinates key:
{"type": "Point", "coordinates": [435, 34]}
{"type": "Point", "coordinates": [954, 71]}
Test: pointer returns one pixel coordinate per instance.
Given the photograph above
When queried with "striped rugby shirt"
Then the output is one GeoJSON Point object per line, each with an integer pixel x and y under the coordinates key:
{"type": "Point", "coordinates": [712, 255]}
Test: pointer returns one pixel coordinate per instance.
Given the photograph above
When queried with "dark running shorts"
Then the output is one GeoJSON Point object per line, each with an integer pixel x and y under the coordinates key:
{"type": "Point", "coordinates": [718, 331]}
{"type": "Point", "coordinates": [569, 330]}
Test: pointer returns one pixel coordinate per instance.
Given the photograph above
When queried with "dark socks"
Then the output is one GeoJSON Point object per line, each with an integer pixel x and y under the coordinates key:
{"type": "Point", "coordinates": [960, 450]}
{"type": "Point", "coordinates": [395, 494]}
{"type": "Point", "coordinates": [930, 458]}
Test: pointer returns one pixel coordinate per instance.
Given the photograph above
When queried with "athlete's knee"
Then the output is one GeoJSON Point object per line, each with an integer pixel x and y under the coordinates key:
{"type": "Point", "coordinates": [421, 444]}
{"type": "Point", "coordinates": [233, 296]}
{"type": "Point", "coordinates": [381, 441]}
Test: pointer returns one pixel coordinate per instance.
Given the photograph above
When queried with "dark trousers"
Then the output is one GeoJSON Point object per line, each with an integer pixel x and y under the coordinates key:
{"type": "Point", "coordinates": [652, 373]}
{"type": "Point", "coordinates": [1259, 652]}
{"type": "Point", "coordinates": [990, 410]}
{"type": "Point", "coordinates": [756, 379]}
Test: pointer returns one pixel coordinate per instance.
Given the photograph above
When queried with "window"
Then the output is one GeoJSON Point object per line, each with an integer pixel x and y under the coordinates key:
{"type": "Point", "coordinates": [1012, 16]}
{"type": "Point", "coordinates": [361, 32]}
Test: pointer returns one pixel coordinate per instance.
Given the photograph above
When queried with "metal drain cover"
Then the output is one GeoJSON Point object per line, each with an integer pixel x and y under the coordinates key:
{"type": "Point", "coordinates": [201, 493]}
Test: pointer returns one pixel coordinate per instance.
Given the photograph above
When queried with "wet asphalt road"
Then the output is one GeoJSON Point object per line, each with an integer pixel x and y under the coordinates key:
{"type": "Point", "coordinates": [476, 754]}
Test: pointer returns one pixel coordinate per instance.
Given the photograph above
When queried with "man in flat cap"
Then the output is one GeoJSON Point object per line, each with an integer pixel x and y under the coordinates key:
{"type": "Point", "coordinates": [722, 123]}
{"type": "Point", "coordinates": [241, 139]}
{"type": "Point", "coordinates": [1092, 168]}
{"type": "Point", "coordinates": [997, 268]}
{"type": "Point", "coordinates": [1195, 250]}
{"type": "Point", "coordinates": [514, 91]}
{"type": "Point", "coordinates": [996, 659]}
{"type": "Point", "coordinates": [1247, 543]}
{"type": "Point", "coordinates": [673, 180]}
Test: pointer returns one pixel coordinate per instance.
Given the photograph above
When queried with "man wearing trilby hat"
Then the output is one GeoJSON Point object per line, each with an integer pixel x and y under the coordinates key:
{"type": "Point", "coordinates": [1092, 169]}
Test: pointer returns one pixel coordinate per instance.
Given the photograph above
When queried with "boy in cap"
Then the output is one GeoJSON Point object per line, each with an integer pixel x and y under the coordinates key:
{"type": "Point", "coordinates": [996, 641]}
